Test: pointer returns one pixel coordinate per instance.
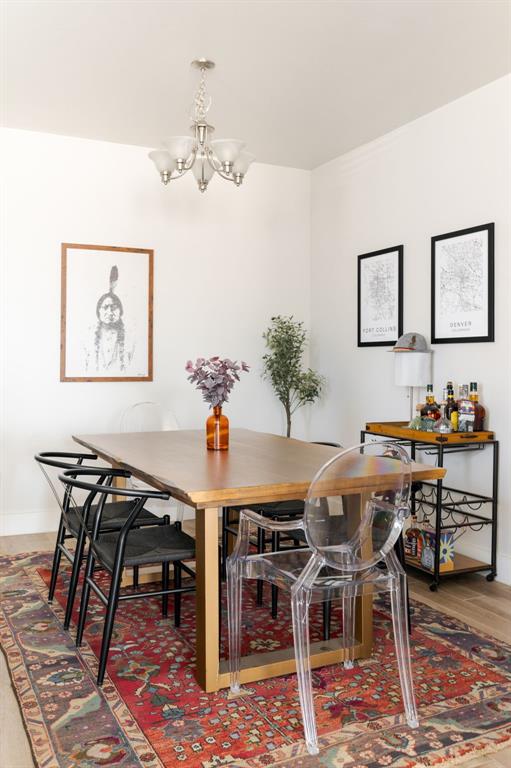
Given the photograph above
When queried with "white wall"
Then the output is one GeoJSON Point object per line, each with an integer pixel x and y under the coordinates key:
{"type": "Point", "coordinates": [225, 262]}
{"type": "Point", "coordinates": [446, 171]}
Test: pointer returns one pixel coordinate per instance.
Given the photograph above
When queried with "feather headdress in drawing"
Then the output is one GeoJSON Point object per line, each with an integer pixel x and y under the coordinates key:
{"type": "Point", "coordinates": [114, 277]}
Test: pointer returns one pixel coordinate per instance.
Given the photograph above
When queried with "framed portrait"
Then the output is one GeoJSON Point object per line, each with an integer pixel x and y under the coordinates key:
{"type": "Point", "coordinates": [380, 297]}
{"type": "Point", "coordinates": [462, 286]}
{"type": "Point", "coordinates": [106, 313]}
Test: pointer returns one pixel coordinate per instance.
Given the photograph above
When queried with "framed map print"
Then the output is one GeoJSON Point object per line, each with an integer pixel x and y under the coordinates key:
{"type": "Point", "coordinates": [106, 313]}
{"type": "Point", "coordinates": [380, 297]}
{"type": "Point", "coordinates": [462, 286]}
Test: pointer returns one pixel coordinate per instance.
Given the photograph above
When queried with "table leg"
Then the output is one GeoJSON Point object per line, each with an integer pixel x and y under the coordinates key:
{"type": "Point", "coordinates": [207, 624]}
{"type": "Point", "coordinates": [323, 653]}
{"type": "Point", "coordinates": [353, 507]}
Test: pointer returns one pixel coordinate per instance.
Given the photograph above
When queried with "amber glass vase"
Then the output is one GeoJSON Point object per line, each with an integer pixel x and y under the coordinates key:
{"type": "Point", "coordinates": [217, 430]}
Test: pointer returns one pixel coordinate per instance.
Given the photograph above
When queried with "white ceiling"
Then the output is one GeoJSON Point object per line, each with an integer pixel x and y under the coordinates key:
{"type": "Point", "coordinates": [301, 82]}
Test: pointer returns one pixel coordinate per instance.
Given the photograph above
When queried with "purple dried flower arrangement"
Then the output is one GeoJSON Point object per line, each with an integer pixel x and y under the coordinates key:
{"type": "Point", "coordinates": [215, 377]}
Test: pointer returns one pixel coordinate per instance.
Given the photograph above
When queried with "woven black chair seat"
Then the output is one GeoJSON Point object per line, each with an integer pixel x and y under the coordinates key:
{"type": "Point", "coordinates": [147, 545]}
{"type": "Point", "coordinates": [115, 515]}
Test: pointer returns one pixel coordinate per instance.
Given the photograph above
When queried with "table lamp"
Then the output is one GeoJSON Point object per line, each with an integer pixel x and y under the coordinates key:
{"type": "Point", "coordinates": [412, 364]}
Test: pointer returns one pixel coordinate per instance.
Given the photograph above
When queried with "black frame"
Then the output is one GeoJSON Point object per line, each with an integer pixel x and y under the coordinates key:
{"type": "Point", "coordinates": [463, 508]}
{"type": "Point", "coordinates": [490, 228]}
{"type": "Point", "coordinates": [390, 343]}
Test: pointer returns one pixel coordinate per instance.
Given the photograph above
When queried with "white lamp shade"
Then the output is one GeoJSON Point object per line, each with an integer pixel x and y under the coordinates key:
{"type": "Point", "coordinates": [162, 160]}
{"type": "Point", "coordinates": [412, 369]}
{"type": "Point", "coordinates": [201, 169]}
{"type": "Point", "coordinates": [242, 163]}
{"type": "Point", "coordinates": [227, 150]}
{"type": "Point", "coordinates": [179, 147]}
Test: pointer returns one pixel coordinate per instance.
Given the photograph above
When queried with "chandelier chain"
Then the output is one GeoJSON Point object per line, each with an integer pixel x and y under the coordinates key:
{"type": "Point", "coordinates": [201, 101]}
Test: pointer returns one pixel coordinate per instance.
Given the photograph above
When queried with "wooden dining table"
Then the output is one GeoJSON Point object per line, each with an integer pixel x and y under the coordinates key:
{"type": "Point", "coordinates": [258, 467]}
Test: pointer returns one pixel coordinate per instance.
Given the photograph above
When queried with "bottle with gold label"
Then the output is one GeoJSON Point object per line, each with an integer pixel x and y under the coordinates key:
{"type": "Point", "coordinates": [430, 412]}
{"type": "Point", "coordinates": [451, 409]}
{"type": "Point", "coordinates": [479, 411]}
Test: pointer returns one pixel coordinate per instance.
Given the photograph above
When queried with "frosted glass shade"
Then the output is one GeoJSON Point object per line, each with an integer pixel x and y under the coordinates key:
{"type": "Point", "coordinates": [179, 147]}
{"type": "Point", "coordinates": [201, 169]}
{"type": "Point", "coordinates": [162, 160]}
{"type": "Point", "coordinates": [227, 150]}
{"type": "Point", "coordinates": [242, 163]}
{"type": "Point", "coordinates": [412, 369]}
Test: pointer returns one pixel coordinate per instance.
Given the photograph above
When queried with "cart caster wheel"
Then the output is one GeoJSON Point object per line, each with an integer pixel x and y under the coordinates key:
{"type": "Point", "coordinates": [490, 577]}
{"type": "Point", "coordinates": [433, 587]}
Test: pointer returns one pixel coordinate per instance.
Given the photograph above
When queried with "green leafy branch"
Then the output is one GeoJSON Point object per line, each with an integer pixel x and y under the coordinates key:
{"type": "Point", "coordinates": [286, 340]}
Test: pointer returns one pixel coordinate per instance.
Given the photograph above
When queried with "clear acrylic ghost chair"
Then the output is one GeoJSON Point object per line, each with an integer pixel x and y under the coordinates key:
{"type": "Point", "coordinates": [341, 561]}
{"type": "Point", "coordinates": [149, 416]}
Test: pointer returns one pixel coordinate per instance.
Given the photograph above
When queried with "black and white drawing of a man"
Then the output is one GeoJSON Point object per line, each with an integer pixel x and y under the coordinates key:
{"type": "Point", "coordinates": [110, 350]}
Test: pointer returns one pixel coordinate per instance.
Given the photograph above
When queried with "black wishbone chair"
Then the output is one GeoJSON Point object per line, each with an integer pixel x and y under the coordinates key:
{"type": "Point", "coordinates": [127, 547]}
{"type": "Point", "coordinates": [114, 517]}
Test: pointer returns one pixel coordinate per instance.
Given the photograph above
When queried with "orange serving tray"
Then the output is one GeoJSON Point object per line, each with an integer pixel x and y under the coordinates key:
{"type": "Point", "coordinates": [399, 429]}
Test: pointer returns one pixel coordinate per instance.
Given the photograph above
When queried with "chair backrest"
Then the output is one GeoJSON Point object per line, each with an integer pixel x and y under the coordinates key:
{"type": "Point", "coordinates": [353, 531]}
{"type": "Point", "coordinates": [147, 416]}
{"type": "Point", "coordinates": [51, 464]}
{"type": "Point", "coordinates": [97, 493]}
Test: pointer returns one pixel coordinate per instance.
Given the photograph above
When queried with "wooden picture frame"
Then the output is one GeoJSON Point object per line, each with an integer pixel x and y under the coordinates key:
{"type": "Point", "coordinates": [106, 330]}
{"type": "Point", "coordinates": [380, 297]}
{"type": "Point", "coordinates": [463, 286]}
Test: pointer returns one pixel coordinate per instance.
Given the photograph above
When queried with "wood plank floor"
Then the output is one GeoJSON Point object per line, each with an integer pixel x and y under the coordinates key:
{"type": "Point", "coordinates": [470, 598]}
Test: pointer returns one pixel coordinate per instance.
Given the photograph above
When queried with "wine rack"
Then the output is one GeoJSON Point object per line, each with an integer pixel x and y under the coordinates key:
{"type": "Point", "coordinates": [441, 507]}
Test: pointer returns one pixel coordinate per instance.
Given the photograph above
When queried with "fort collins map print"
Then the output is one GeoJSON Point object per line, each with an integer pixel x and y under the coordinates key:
{"type": "Point", "coordinates": [461, 287]}
{"type": "Point", "coordinates": [379, 288]}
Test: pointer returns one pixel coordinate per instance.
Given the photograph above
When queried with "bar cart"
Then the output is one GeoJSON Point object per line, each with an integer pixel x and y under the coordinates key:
{"type": "Point", "coordinates": [444, 508]}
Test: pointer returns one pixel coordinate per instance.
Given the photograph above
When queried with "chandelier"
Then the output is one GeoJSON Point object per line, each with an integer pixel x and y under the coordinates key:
{"type": "Point", "coordinates": [225, 157]}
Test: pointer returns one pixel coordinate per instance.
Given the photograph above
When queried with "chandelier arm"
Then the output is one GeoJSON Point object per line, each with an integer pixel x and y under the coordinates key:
{"type": "Point", "coordinates": [190, 161]}
{"type": "Point", "coordinates": [166, 177]}
{"type": "Point", "coordinates": [210, 159]}
{"type": "Point", "coordinates": [224, 176]}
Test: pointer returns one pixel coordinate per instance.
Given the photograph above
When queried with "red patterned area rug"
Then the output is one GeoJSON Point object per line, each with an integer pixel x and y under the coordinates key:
{"type": "Point", "coordinates": [151, 712]}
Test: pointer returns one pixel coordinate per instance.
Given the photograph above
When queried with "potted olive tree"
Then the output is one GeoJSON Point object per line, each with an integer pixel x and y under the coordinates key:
{"type": "Point", "coordinates": [286, 340]}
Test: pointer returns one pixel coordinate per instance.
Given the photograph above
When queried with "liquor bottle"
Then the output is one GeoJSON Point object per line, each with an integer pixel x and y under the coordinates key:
{"type": "Point", "coordinates": [412, 539]}
{"type": "Point", "coordinates": [451, 409]}
{"type": "Point", "coordinates": [462, 394]}
{"type": "Point", "coordinates": [442, 424]}
{"type": "Point", "coordinates": [416, 422]}
{"type": "Point", "coordinates": [471, 412]}
{"type": "Point", "coordinates": [479, 411]}
{"type": "Point", "coordinates": [430, 412]}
